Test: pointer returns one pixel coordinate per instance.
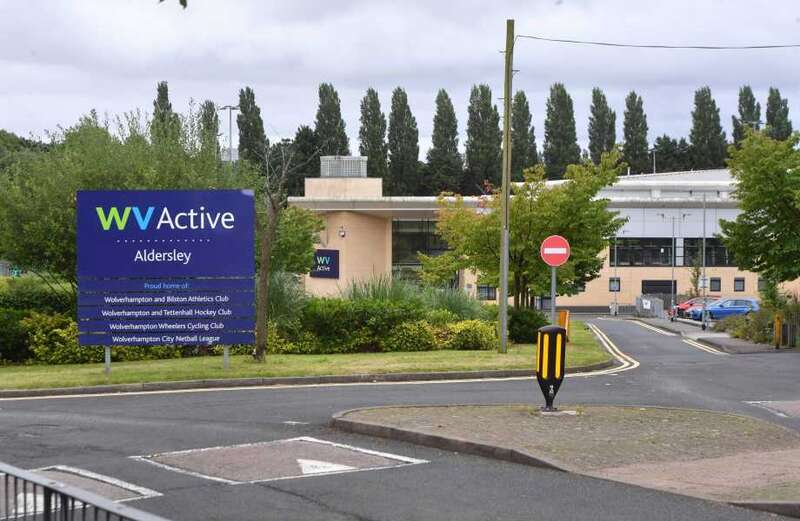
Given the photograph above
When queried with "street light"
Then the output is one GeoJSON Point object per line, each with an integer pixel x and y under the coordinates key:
{"type": "Point", "coordinates": [653, 151]}
{"type": "Point", "coordinates": [230, 109]}
{"type": "Point", "coordinates": [672, 289]}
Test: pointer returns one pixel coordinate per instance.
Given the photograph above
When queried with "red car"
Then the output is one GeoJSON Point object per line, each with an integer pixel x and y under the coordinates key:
{"type": "Point", "coordinates": [683, 310]}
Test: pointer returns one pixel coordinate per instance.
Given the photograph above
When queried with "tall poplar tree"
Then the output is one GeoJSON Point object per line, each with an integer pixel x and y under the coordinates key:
{"type": "Point", "coordinates": [484, 139]}
{"type": "Point", "coordinates": [749, 114]}
{"type": "Point", "coordinates": [166, 124]}
{"type": "Point", "coordinates": [602, 126]}
{"type": "Point", "coordinates": [329, 125]}
{"type": "Point", "coordinates": [304, 148]}
{"type": "Point", "coordinates": [209, 129]}
{"type": "Point", "coordinates": [403, 147]}
{"type": "Point", "coordinates": [445, 165]}
{"type": "Point", "coordinates": [634, 150]}
{"type": "Point", "coordinates": [560, 138]}
{"type": "Point", "coordinates": [253, 143]}
{"type": "Point", "coordinates": [523, 141]}
{"type": "Point", "coordinates": [372, 135]}
{"type": "Point", "coordinates": [707, 137]}
{"type": "Point", "coordinates": [779, 126]}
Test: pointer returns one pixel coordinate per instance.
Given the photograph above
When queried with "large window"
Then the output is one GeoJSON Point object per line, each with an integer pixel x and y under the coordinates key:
{"type": "Point", "coordinates": [409, 239]}
{"type": "Point", "coordinates": [487, 292]}
{"type": "Point", "coordinates": [716, 253]}
{"type": "Point", "coordinates": [641, 252]}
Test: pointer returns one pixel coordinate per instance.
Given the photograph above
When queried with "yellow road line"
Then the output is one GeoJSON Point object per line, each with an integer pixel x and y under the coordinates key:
{"type": "Point", "coordinates": [704, 347]}
{"type": "Point", "coordinates": [655, 329]}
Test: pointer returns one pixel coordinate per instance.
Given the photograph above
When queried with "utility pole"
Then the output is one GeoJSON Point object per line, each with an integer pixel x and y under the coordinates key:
{"type": "Point", "coordinates": [509, 70]}
{"type": "Point", "coordinates": [230, 109]}
{"type": "Point", "coordinates": [703, 320]}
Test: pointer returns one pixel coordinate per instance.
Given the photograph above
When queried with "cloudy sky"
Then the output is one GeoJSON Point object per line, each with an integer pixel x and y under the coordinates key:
{"type": "Point", "coordinates": [59, 59]}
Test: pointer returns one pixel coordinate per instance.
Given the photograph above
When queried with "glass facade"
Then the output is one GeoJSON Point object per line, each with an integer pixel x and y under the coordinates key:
{"type": "Point", "coordinates": [486, 292]}
{"type": "Point", "coordinates": [716, 253]}
{"type": "Point", "coordinates": [647, 251]}
{"type": "Point", "coordinates": [409, 239]}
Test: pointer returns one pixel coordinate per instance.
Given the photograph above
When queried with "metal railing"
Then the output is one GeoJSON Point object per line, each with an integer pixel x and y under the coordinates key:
{"type": "Point", "coordinates": [29, 496]}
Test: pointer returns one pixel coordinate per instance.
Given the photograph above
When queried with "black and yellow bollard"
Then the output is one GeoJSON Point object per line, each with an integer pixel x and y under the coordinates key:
{"type": "Point", "coordinates": [550, 355]}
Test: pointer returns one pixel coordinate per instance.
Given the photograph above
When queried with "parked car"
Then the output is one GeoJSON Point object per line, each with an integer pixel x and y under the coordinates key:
{"type": "Point", "coordinates": [727, 307]}
{"type": "Point", "coordinates": [682, 309]}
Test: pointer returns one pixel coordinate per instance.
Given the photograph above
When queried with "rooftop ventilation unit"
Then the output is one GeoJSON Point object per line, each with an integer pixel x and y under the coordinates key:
{"type": "Point", "coordinates": [343, 166]}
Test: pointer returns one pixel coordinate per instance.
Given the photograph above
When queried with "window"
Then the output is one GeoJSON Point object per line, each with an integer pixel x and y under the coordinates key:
{"type": "Point", "coordinates": [716, 253]}
{"type": "Point", "coordinates": [614, 284]}
{"type": "Point", "coordinates": [738, 284]}
{"type": "Point", "coordinates": [409, 238]}
{"type": "Point", "coordinates": [715, 284]}
{"type": "Point", "coordinates": [762, 284]}
{"type": "Point", "coordinates": [654, 251]}
{"type": "Point", "coordinates": [487, 292]}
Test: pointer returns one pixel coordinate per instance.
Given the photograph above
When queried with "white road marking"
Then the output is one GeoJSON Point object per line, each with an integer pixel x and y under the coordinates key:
{"type": "Point", "coordinates": [764, 404]}
{"type": "Point", "coordinates": [628, 362]}
{"type": "Point", "coordinates": [404, 461]}
{"type": "Point", "coordinates": [654, 329]}
{"type": "Point", "coordinates": [312, 466]}
{"type": "Point", "coordinates": [704, 347]}
{"type": "Point", "coordinates": [290, 422]}
{"type": "Point", "coordinates": [143, 492]}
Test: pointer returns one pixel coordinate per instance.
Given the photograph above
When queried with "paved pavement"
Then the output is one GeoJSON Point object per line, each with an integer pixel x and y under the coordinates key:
{"type": "Point", "coordinates": [102, 434]}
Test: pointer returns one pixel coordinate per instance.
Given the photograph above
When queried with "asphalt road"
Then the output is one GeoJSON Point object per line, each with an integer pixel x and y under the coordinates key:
{"type": "Point", "coordinates": [101, 434]}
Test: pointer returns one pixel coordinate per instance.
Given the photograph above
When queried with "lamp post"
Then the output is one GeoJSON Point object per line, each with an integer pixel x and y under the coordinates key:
{"type": "Point", "coordinates": [673, 289]}
{"type": "Point", "coordinates": [230, 109]}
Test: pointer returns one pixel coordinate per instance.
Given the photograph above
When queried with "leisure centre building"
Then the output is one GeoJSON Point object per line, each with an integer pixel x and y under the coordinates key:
{"type": "Point", "coordinates": [369, 235]}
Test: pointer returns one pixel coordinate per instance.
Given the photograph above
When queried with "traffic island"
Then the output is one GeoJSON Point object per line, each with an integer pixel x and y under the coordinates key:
{"type": "Point", "coordinates": [717, 456]}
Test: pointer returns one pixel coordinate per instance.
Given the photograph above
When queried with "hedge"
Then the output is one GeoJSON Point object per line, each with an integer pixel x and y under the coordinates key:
{"type": "Point", "coordinates": [13, 336]}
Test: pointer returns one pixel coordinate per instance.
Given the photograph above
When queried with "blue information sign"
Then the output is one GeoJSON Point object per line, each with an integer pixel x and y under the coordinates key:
{"type": "Point", "coordinates": [166, 267]}
{"type": "Point", "coordinates": [326, 264]}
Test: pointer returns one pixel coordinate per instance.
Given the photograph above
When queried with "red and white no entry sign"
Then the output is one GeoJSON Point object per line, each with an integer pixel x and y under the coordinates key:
{"type": "Point", "coordinates": [554, 250]}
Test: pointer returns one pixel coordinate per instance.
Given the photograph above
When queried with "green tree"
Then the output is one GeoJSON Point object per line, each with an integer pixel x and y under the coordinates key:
{"type": "Point", "coordinates": [765, 236]}
{"type": "Point", "coordinates": [523, 141]}
{"type": "Point", "coordinates": [12, 146]}
{"type": "Point", "coordinates": [253, 143]}
{"type": "Point", "coordinates": [166, 124]}
{"type": "Point", "coordinates": [602, 126]}
{"type": "Point", "coordinates": [372, 135]}
{"type": "Point", "coordinates": [749, 114]}
{"type": "Point", "coordinates": [445, 165]}
{"type": "Point", "coordinates": [329, 125]}
{"type": "Point", "coordinates": [570, 209]}
{"type": "Point", "coordinates": [403, 147]}
{"type": "Point", "coordinates": [671, 155]}
{"type": "Point", "coordinates": [484, 139]}
{"type": "Point", "coordinates": [560, 139]}
{"type": "Point", "coordinates": [779, 126]}
{"type": "Point", "coordinates": [634, 149]}
{"type": "Point", "coordinates": [304, 148]}
{"type": "Point", "coordinates": [209, 129]}
{"type": "Point", "coordinates": [707, 137]}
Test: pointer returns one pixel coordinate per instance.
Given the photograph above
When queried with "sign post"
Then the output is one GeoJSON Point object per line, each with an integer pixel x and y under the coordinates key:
{"type": "Point", "coordinates": [165, 268]}
{"type": "Point", "coordinates": [554, 252]}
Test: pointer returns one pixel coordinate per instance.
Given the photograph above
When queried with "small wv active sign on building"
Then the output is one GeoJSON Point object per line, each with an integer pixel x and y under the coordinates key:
{"type": "Point", "coordinates": [166, 267]}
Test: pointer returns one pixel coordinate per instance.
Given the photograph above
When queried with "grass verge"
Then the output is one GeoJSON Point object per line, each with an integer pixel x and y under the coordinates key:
{"type": "Point", "coordinates": [583, 350]}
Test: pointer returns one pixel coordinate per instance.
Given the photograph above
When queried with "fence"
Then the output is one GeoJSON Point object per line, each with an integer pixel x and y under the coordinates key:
{"type": "Point", "coordinates": [787, 331]}
{"type": "Point", "coordinates": [28, 496]}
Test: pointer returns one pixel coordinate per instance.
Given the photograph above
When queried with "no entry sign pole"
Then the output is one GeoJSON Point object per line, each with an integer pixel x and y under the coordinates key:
{"type": "Point", "coordinates": [554, 252]}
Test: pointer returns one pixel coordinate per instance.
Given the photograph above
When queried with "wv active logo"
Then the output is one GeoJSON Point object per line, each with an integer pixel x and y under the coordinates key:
{"type": "Point", "coordinates": [193, 219]}
{"type": "Point", "coordinates": [326, 264]}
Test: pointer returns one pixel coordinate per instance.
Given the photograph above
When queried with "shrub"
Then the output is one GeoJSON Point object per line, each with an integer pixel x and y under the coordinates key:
{"type": "Point", "coordinates": [400, 291]}
{"type": "Point", "coordinates": [13, 337]}
{"type": "Point", "coordinates": [523, 325]}
{"type": "Point", "coordinates": [348, 326]}
{"type": "Point", "coordinates": [410, 336]}
{"type": "Point", "coordinates": [471, 335]}
{"type": "Point", "coordinates": [440, 317]}
{"type": "Point", "coordinates": [32, 293]}
{"type": "Point", "coordinates": [755, 327]}
{"type": "Point", "coordinates": [286, 300]}
{"type": "Point", "coordinates": [53, 339]}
